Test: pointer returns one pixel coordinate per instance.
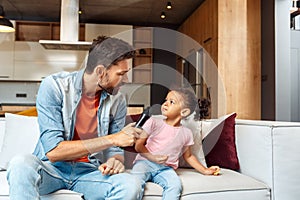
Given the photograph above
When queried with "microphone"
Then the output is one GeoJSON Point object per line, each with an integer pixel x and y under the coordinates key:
{"type": "Point", "coordinates": [143, 118]}
{"type": "Point", "coordinates": [140, 122]}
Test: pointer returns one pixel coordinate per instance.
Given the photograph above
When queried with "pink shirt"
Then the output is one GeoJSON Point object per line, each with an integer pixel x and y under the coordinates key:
{"type": "Point", "coordinates": [164, 139]}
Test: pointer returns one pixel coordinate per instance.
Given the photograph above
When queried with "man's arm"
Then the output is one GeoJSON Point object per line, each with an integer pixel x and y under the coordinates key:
{"type": "Point", "coordinates": [70, 150]}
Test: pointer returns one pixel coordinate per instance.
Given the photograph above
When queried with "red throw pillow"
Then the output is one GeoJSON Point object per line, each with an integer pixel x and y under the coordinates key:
{"type": "Point", "coordinates": [219, 145]}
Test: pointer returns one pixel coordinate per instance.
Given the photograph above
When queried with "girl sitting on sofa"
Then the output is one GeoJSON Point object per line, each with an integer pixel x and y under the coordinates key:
{"type": "Point", "coordinates": [164, 141]}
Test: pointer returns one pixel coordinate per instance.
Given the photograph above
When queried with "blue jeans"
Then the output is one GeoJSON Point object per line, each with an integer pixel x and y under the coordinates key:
{"type": "Point", "coordinates": [162, 175]}
{"type": "Point", "coordinates": [29, 177]}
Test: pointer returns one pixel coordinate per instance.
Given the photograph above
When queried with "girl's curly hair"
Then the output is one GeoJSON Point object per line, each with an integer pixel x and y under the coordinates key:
{"type": "Point", "coordinates": [200, 106]}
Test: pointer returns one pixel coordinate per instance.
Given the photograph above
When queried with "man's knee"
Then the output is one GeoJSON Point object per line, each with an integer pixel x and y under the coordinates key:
{"type": "Point", "coordinates": [23, 160]}
{"type": "Point", "coordinates": [21, 165]}
{"type": "Point", "coordinates": [133, 186]}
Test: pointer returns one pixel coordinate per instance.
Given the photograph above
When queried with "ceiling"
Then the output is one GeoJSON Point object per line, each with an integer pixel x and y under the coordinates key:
{"type": "Point", "coordinates": [130, 12]}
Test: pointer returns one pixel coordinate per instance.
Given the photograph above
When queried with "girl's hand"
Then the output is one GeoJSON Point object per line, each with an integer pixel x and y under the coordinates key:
{"type": "Point", "coordinates": [213, 170]}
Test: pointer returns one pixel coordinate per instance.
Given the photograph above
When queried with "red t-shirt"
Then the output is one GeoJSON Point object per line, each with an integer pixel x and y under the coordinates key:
{"type": "Point", "coordinates": [86, 120]}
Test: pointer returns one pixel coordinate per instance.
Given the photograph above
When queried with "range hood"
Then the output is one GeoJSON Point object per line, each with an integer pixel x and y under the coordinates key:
{"type": "Point", "coordinates": [69, 26]}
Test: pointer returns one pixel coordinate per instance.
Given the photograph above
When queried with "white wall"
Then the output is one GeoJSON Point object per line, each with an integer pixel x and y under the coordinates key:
{"type": "Point", "coordinates": [295, 76]}
{"type": "Point", "coordinates": [282, 61]}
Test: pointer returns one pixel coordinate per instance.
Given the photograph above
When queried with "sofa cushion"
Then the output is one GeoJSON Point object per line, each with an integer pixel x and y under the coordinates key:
{"type": "Point", "coordinates": [58, 195]}
{"type": "Point", "coordinates": [229, 185]}
{"type": "Point", "coordinates": [219, 143]}
{"type": "Point", "coordinates": [21, 136]}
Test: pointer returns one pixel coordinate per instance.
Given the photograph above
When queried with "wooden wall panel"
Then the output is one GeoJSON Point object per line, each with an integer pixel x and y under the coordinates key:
{"type": "Point", "coordinates": [231, 35]}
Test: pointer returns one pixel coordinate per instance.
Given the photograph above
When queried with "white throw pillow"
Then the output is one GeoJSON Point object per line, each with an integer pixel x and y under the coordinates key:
{"type": "Point", "coordinates": [2, 132]}
{"type": "Point", "coordinates": [196, 148]}
{"type": "Point", "coordinates": [21, 136]}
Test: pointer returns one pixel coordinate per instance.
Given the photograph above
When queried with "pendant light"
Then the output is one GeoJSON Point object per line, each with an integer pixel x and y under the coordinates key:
{"type": "Point", "coordinates": [169, 5]}
{"type": "Point", "coordinates": [5, 24]}
{"type": "Point", "coordinates": [163, 15]}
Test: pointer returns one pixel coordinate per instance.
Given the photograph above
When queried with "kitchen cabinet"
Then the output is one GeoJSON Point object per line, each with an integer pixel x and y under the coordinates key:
{"type": "Point", "coordinates": [24, 59]}
{"type": "Point", "coordinates": [6, 56]}
{"type": "Point", "coordinates": [32, 62]}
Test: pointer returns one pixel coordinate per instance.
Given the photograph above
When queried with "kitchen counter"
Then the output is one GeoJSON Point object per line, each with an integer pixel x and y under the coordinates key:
{"type": "Point", "coordinates": [14, 108]}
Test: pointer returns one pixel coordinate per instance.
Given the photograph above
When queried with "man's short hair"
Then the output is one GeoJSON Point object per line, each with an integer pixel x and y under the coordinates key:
{"type": "Point", "coordinates": [108, 51]}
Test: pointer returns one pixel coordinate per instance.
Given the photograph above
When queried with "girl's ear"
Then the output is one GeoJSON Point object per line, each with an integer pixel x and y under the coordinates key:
{"type": "Point", "coordinates": [185, 112]}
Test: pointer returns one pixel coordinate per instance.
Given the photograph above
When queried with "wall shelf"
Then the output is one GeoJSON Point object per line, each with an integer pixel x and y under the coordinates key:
{"type": "Point", "coordinates": [35, 31]}
{"type": "Point", "coordinates": [142, 63]}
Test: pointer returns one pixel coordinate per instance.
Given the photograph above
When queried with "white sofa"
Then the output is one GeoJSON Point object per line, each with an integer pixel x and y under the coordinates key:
{"type": "Point", "coordinates": [269, 161]}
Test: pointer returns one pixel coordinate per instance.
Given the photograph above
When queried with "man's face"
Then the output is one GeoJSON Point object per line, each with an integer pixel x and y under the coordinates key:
{"type": "Point", "coordinates": [115, 77]}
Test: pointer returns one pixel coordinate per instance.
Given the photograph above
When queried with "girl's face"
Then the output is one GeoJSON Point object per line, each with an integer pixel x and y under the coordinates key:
{"type": "Point", "coordinates": [172, 106]}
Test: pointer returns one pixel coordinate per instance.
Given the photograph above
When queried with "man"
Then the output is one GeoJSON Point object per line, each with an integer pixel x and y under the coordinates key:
{"type": "Point", "coordinates": [81, 116]}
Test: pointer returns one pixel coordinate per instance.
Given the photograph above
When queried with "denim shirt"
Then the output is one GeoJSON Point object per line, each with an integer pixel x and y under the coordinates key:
{"type": "Point", "coordinates": [57, 100]}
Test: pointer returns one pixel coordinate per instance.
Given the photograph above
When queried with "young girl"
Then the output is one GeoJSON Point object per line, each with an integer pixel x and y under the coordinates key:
{"type": "Point", "coordinates": [164, 142]}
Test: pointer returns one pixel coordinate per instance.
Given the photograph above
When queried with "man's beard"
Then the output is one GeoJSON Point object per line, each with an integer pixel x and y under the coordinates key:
{"type": "Point", "coordinates": [109, 90]}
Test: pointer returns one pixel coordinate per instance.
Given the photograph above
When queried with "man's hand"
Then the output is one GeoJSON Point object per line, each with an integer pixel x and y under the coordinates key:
{"type": "Point", "coordinates": [112, 166]}
{"type": "Point", "coordinates": [127, 136]}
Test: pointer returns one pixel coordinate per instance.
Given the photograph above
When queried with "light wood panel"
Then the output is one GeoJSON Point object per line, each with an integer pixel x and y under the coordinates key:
{"type": "Point", "coordinates": [231, 35]}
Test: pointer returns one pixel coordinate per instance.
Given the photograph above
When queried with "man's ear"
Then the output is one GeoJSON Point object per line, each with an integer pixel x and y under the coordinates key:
{"type": "Point", "coordinates": [99, 70]}
{"type": "Point", "coordinates": [185, 112]}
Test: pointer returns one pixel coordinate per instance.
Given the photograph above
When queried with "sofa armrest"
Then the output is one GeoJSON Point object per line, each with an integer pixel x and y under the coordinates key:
{"type": "Point", "coordinates": [269, 151]}
{"type": "Point", "coordinates": [254, 149]}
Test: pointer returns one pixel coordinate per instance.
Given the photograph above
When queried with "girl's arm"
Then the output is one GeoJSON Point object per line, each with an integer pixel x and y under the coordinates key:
{"type": "Point", "coordinates": [194, 162]}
